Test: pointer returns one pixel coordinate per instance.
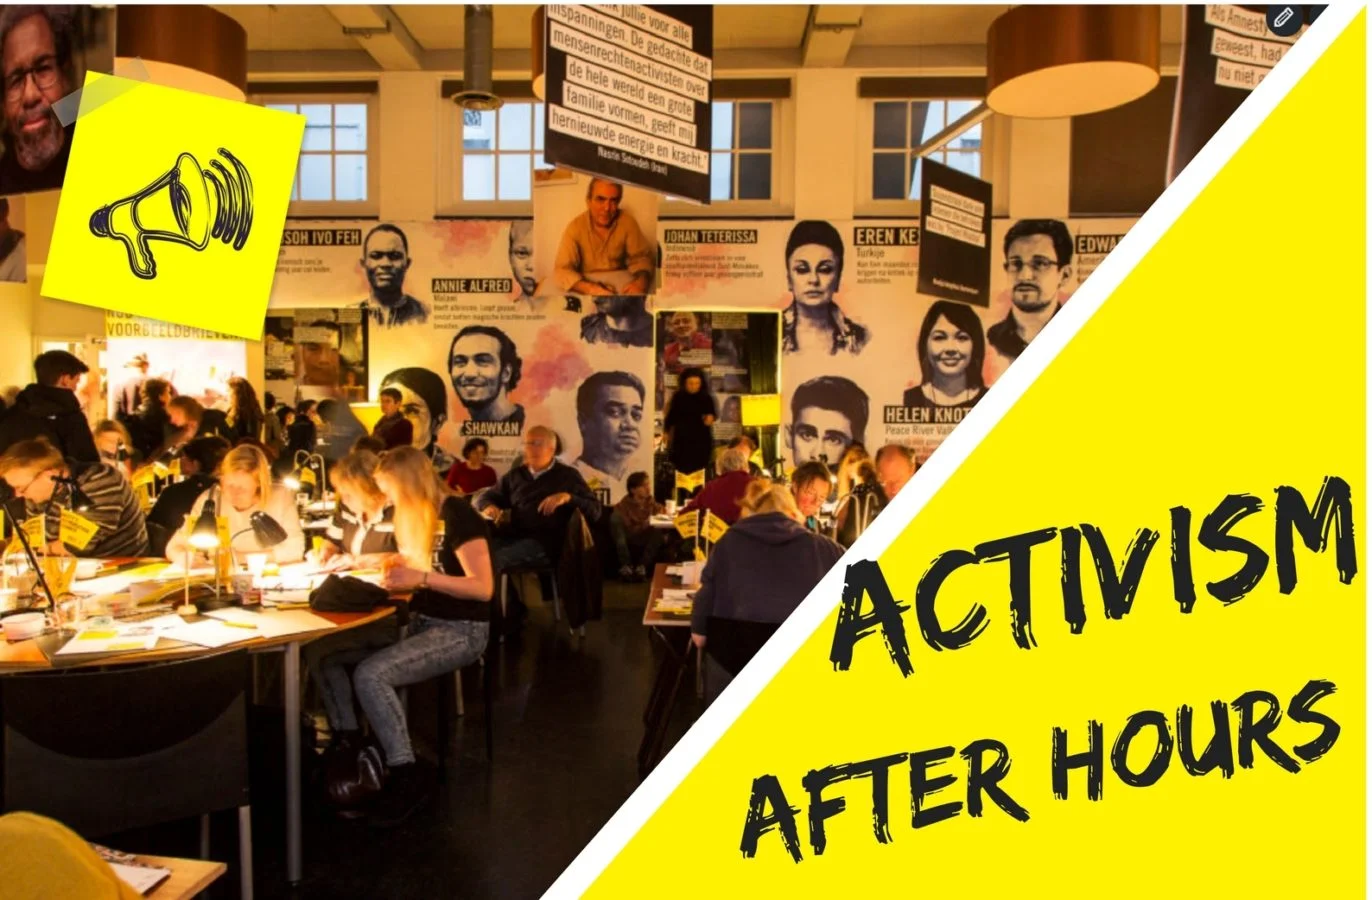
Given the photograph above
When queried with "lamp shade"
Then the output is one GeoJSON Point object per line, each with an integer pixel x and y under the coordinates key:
{"type": "Point", "coordinates": [761, 410]}
{"type": "Point", "coordinates": [205, 534]}
{"type": "Point", "coordinates": [192, 47]}
{"type": "Point", "coordinates": [1050, 62]}
{"type": "Point", "coordinates": [267, 530]}
{"type": "Point", "coordinates": [539, 26]}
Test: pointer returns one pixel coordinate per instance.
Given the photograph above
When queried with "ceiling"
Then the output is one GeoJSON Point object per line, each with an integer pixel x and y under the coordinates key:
{"type": "Point", "coordinates": [746, 35]}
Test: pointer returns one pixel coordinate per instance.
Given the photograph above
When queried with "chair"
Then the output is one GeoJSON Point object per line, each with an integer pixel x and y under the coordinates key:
{"type": "Point", "coordinates": [733, 642]}
{"type": "Point", "coordinates": [110, 750]}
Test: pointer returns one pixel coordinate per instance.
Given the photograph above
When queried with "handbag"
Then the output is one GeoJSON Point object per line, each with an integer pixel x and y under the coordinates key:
{"type": "Point", "coordinates": [347, 594]}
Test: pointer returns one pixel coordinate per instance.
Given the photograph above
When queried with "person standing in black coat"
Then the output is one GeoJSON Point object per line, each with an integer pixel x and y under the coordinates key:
{"type": "Point", "coordinates": [688, 421]}
{"type": "Point", "coordinates": [49, 408]}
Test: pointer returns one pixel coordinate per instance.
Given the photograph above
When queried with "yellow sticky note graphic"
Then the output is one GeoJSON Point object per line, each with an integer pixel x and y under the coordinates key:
{"type": "Point", "coordinates": [35, 529]}
{"type": "Point", "coordinates": [173, 208]}
{"type": "Point", "coordinates": [97, 635]}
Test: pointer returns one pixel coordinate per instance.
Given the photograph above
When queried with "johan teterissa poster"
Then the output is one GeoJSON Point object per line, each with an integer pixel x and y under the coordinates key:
{"type": "Point", "coordinates": [455, 325]}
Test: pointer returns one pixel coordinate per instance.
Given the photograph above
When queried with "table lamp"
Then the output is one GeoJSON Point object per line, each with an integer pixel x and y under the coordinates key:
{"type": "Point", "coordinates": [204, 536]}
{"type": "Point", "coordinates": [302, 474]}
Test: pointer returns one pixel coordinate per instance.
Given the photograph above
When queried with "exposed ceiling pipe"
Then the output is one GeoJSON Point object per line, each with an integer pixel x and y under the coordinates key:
{"type": "Point", "coordinates": [478, 59]}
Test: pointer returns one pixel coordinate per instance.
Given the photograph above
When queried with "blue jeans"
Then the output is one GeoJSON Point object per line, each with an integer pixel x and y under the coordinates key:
{"type": "Point", "coordinates": [433, 647]}
{"type": "Point", "coordinates": [328, 658]}
{"type": "Point", "coordinates": [517, 553]}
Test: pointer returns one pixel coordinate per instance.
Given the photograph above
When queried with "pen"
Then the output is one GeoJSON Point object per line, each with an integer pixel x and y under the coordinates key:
{"type": "Point", "coordinates": [238, 624]}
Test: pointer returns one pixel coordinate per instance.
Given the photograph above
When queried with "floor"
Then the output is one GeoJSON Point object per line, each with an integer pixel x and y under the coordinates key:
{"type": "Point", "coordinates": [568, 718]}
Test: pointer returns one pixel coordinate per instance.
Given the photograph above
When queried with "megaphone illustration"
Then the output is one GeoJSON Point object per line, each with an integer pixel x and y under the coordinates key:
{"type": "Point", "coordinates": [188, 205]}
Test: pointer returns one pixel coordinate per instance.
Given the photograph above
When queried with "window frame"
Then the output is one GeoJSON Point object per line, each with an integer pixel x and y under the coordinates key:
{"type": "Point", "coordinates": [866, 204]}
{"type": "Point", "coordinates": [451, 155]}
{"type": "Point", "coordinates": [341, 209]}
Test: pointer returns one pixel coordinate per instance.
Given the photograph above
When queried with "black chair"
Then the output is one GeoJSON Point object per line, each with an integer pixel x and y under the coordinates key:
{"type": "Point", "coordinates": [733, 642]}
{"type": "Point", "coordinates": [104, 751]}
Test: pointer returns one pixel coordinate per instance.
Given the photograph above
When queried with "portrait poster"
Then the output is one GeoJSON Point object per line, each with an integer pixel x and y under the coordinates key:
{"type": "Point", "coordinates": [593, 236]}
{"type": "Point", "coordinates": [489, 360]}
{"type": "Point", "coordinates": [13, 244]}
{"type": "Point", "coordinates": [311, 354]}
{"type": "Point", "coordinates": [58, 45]}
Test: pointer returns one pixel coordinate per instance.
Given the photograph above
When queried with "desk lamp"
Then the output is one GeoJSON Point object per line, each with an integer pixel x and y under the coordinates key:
{"type": "Point", "coordinates": [302, 474]}
{"type": "Point", "coordinates": [204, 536]}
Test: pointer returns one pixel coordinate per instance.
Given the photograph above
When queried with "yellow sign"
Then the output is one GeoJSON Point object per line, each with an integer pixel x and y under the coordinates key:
{"type": "Point", "coordinates": [76, 530]}
{"type": "Point", "coordinates": [1139, 647]}
{"type": "Point", "coordinates": [690, 482]}
{"type": "Point", "coordinates": [58, 572]}
{"type": "Point", "coordinates": [35, 529]}
{"type": "Point", "coordinates": [173, 208]}
{"type": "Point", "coordinates": [714, 527]}
{"type": "Point", "coordinates": [144, 476]}
{"type": "Point", "coordinates": [687, 524]}
{"type": "Point", "coordinates": [699, 554]}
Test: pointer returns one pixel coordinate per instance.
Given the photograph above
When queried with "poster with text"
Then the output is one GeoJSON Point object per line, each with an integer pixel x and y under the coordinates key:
{"type": "Point", "coordinates": [316, 353]}
{"type": "Point", "coordinates": [956, 226]}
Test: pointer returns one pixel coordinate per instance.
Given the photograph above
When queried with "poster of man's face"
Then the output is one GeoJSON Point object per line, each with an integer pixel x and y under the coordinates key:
{"type": "Point", "coordinates": [828, 414]}
{"type": "Point", "coordinates": [1038, 263]}
{"type": "Point", "coordinates": [44, 54]}
{"type": "Point", "coordinates": [610, 416]}
{"type": "Point", "coordinates": [484, 366]}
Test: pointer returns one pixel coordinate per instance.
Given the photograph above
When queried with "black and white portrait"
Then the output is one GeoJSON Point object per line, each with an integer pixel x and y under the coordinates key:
{"type": "Point", "coordinates": [609, 414]}
{"type": "Point", "coordinates": [620, 320]}
{"type": "Point", "coordinates": [484, 366]}
{"type": "Point", "coordinates": [1038, 269]}
{"type": "Point", "coordinates": [813, 321]}
{"type": "Point", "coordinates": [952, 349]}
{"type": "Point", "coordinates": [521, 255]}
{"type": "Point", "coordinates": [423, 400]}
{"type": "Point", "coordinates": [827, 415]}
{"type": "Point", "coordinates": [386, 259]}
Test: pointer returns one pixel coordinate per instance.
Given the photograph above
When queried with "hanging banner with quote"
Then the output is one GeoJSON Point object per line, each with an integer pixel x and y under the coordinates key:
{"type": "Point", "coordinates": [628, 90]}
{"type": "Point", "coordinates": [1226, 52]}
{"type": "Point", "coordinates": [956, 222]}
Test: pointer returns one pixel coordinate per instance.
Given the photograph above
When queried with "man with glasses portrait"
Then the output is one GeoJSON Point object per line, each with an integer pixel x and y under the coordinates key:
{"type": "Point", "coordinates": [1038, 262]}
{"type": "Point", "coordinates": [36, 45]}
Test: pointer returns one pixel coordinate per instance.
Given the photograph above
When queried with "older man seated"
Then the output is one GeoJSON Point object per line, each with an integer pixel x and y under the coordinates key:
{"type": "Point", "coordinates": [895, 467]}
{"type": "Point", "coordinates": [723, 493]}
{"type": "Point", "coordinates": [530, 505]}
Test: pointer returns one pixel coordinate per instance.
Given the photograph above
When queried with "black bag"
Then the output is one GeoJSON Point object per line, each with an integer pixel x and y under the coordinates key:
{"type": "Point", "coordinates": [347, 594]}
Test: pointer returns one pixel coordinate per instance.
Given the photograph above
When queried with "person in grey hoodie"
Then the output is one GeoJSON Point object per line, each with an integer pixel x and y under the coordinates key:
{"type": "Point", "coordinates": [761, 569]}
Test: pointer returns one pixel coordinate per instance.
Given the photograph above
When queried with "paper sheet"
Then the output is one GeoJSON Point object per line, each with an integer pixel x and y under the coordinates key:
{"type": "Point", "coordinates": [208, 633]}
{"type": "Point", "coordinates": [276, 623]}
{"type": "Point", "coordinates": [116, 639]}
{"type": "Point", "coordinates": [141, 878]}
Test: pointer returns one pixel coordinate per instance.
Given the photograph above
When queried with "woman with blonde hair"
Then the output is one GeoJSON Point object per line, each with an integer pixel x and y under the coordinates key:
{"type": "Point", "coordinates": [362, 532]}
{"type": "Point", "coordinates": [243, 487]}
{"type": "Point", "coordinates": [114, 444]}
{"type": "Point", "coordinates": [444, 564]}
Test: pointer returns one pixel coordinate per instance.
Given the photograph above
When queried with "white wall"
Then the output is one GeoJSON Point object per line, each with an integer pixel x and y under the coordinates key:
{"type": "Point", "coordinates": [1028, 163]}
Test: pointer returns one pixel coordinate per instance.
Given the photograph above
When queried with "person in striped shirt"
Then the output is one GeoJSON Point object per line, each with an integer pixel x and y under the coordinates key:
{"type": "Point", "coordinates": [37, 473]}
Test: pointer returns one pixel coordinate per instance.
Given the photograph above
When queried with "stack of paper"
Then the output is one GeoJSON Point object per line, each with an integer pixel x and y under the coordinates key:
{"type": "Point", "coordinates": [114, 639]}
{"type": "Point", "coordinates": [272, 624]}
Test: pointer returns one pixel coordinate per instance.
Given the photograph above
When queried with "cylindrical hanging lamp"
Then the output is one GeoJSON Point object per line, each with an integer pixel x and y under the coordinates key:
{"type": "Point", "coordinates": [536, 33]}
{"type": "Point", "coordinates": [1050, 62]}
{"type": "Point", "coordinates": [478, 60]}
{"type": "Point", "coordinates": [194, 48]}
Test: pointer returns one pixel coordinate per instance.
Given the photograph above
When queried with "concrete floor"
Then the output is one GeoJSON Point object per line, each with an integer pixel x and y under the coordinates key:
{"type": "Point", "coordinates": [568, 719]}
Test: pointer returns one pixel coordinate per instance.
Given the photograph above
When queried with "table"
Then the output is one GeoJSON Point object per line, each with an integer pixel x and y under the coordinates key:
{"type": "Point", "coordinates": [28, 656]}
{"type": "Point", "coordinates": [674, 633]}
{"type": "Point", "coordinates": [188, 876]}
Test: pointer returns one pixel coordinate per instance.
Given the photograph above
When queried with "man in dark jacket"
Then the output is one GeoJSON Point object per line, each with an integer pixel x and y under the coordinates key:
{"type": "Point", "coordinates": [199, 461]}
{"type": "Point", "coordinates": [393, 429]}
{"type": "Point", "coordinates": [529, 505]}
{"type": "Point", "coordinates": [49, 408]}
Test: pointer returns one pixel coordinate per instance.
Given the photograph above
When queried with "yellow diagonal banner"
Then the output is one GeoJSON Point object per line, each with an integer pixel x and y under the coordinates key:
{"type": "Point", "coordinates": [1110, 641]}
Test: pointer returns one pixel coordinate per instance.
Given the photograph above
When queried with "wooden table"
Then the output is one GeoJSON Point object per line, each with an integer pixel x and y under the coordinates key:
{"type": "Point", "coordinates": [28, 656]}
{"type": "Point", "coordinates": [674, 633]}
{"type": "Point", "coordinates": [188, 876]}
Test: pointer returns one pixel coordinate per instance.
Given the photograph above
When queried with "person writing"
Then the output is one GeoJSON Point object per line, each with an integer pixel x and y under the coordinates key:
{"type": "Point", "coordinates": [450, 592]}
{"type": "Point", "coordinates": [43, 479]}
{"type": "Point", "coordinates": [723, 494]}
{"type": "Point", "coordinates": [470, 474]}
{"type": "Point", "coordinates": [811, 484]}
{"type": "Point", "coordinates": [200, 459]}
{"type": "Point", "coordinates": [191, 420]}
{"type": "Point", "coordinates": [244, 487]}
{"type": "Point", "coordinates": [362, 532]}
{"type": "Point", "coordinates": [636, 540]}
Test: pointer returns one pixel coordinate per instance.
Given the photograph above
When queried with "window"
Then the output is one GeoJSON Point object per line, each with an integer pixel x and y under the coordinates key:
{"type": "Point", "coordinates": [741, 142]}
{"type": "Point", "coordinates": [899, 127]}
{"type": "Point", "coordinates": [500, 150]}
{"type": "Point", "coordinates": [337, 172]}
{"type": "Point", "coordinates": [497, 152]}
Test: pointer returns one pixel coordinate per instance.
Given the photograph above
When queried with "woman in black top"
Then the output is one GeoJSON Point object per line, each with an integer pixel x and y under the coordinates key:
{"type": "Point", "coordinates": [245, 416]}
{"type": "Point", "coordinates": [450, 582]}
{"type": "Point", "coordinates": [687, 423]}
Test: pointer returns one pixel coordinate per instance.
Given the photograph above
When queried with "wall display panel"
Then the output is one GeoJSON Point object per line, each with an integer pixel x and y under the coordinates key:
{"type": "Point", "coordinates": [485, 358]}
{"type": "Point", "coordinates": [311, 354]}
